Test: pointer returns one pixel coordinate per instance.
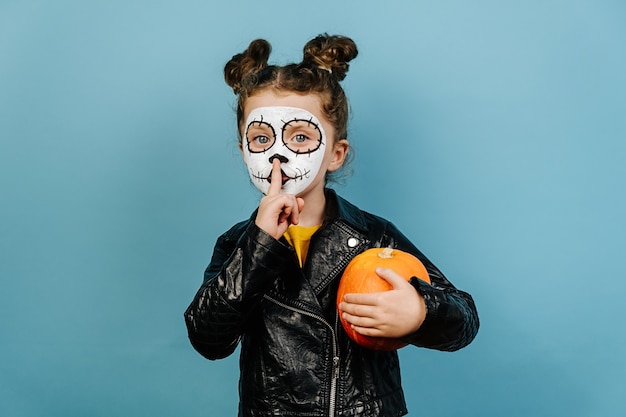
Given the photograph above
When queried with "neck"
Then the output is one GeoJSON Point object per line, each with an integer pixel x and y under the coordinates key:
{"type": "Point", "coordinates": [312, 213]}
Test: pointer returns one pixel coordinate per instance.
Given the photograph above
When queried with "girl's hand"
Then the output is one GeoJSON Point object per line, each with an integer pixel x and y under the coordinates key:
{"type": "Point", "coordinates": [277, 211]}
{"type": "Point", "coordinates": [394, 313]}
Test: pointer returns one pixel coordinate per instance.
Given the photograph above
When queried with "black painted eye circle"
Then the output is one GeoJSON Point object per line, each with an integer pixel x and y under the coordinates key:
{"type": "Point", "coordinates": [260, 136]}
{"type": "Point", "coordinates": [302, 136]}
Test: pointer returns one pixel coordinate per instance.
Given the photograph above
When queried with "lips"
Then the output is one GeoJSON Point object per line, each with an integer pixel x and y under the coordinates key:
{"type": "Point", "coordinates": [297, 177]}
{"type": "Point", "coordinates": [285, 177]}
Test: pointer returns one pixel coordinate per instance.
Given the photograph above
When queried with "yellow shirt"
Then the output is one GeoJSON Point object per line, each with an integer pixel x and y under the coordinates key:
{"type": "Point", "coordinates": [299, 237]}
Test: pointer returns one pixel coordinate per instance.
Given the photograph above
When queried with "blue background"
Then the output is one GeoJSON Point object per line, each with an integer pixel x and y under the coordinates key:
{"type": "Point", "coordinates": [493, 133]}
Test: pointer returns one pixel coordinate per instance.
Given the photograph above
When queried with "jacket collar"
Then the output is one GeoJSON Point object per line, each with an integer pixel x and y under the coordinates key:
{"type": "Point", "coordinates": [338, 208]}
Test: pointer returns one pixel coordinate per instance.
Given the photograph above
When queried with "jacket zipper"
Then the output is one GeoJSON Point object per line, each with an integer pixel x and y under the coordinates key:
{"type": "Point", "coordinates": [335, 350]}
{"type": "Point", "coordinates": [335, 373]}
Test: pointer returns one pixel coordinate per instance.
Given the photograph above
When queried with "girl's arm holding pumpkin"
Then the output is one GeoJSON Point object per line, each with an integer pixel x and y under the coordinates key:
{"type": "Point", "coordinates": [451, 321]}
{"type": "Point", "coordinates": [436, 315]}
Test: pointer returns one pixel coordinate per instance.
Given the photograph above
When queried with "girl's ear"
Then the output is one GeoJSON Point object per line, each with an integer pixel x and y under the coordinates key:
{"type": "Point", "coordinates": [243, 155]}
{"type": "Point", "coordinates": [340, 151]}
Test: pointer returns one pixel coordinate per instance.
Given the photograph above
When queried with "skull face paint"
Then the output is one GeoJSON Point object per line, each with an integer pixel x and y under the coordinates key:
{"type": "Point", "coordinates": [292, 135]}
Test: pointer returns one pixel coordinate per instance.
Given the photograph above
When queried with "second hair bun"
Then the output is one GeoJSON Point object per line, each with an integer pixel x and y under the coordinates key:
{"type": "Point", "coordinates": [330, 53]}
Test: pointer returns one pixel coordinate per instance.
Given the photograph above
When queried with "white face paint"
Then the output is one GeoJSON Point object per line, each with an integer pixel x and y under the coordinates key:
{"type": "Point", "coordinates": [294, 136]}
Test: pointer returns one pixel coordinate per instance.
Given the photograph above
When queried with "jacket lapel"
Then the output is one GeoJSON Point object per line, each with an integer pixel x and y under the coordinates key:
{"type": "Point", "coordinates": [333, 247]}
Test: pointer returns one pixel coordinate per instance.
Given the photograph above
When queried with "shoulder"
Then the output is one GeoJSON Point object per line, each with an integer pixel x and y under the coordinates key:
{"type": "Point", "coordinates": [368, 223]}
{"type": "Point", "coordinates": [238, 229]}
{"type": "Point", "coordinates": [235, 232]}
{"type": "Point", "coordinates": [350, 212]}
{"type": "Point", "coordinates": [225, 246]}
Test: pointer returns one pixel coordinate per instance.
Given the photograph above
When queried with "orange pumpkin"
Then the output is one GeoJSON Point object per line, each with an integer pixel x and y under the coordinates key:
{"type": "Point", "coordinates": [360, 277]}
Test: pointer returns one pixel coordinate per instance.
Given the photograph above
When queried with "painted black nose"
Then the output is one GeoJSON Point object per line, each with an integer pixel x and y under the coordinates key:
{"type": "Point", "coordinates": [282, 159]}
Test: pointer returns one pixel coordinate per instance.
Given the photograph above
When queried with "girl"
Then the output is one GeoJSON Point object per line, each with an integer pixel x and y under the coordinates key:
{"type": "Point", "coordinates": [272, 281]}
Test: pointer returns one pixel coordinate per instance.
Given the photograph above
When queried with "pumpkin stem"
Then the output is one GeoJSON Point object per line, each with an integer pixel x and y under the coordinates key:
{"type": "Point", "coordinates": [386, 253]}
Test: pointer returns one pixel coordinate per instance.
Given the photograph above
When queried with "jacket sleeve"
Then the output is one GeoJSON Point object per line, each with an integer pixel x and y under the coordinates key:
{"type": "Point", "coordinates": [451, 321]}
{"type": "Point", "coordinates": [235, 281]}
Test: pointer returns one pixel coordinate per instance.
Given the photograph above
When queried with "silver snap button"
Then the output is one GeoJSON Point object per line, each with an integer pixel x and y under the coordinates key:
{"type": "Point", "coordinates": [352, 242]}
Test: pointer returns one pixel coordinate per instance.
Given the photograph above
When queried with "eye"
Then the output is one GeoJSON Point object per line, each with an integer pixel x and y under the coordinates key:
{"type": "Point", "coordinates": [260, 136]}
{"type": "Point", "coordinates": [302, 136]}
{"type": "Point", "coordinates": [262, 140]}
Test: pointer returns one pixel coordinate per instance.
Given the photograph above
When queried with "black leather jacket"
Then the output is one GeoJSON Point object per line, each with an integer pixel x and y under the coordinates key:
{"type": "Point", "coordinates": [296, 360]}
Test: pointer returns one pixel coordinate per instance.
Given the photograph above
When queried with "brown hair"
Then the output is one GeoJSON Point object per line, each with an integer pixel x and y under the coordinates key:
{"type": "Point", "coordinates": [323, 66]}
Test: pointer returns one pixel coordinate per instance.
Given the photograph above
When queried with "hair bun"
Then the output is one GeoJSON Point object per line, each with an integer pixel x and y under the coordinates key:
{"type": "Point", "coordinates": [242, 66]}
{"type": "Point", "coordinates": [330, 53]}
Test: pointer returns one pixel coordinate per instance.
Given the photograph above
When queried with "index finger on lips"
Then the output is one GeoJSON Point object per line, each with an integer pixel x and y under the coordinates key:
{"type": "Point", "coordinates": [276, 177]}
